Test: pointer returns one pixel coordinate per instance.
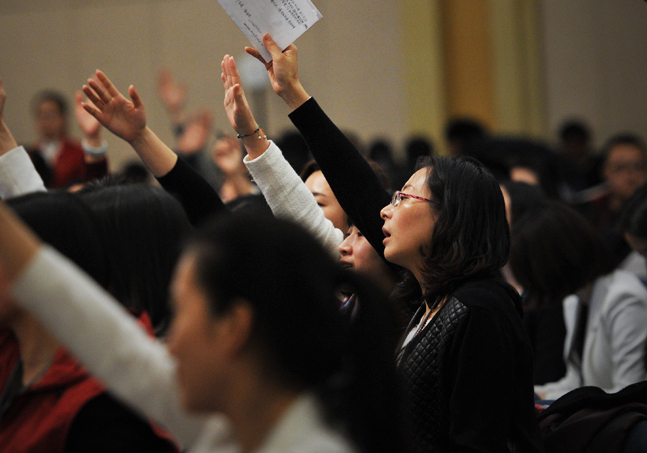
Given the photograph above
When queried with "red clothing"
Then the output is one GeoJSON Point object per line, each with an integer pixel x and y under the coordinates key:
{"type": "Point", "coordinates": [70, 166]}
{"type": "Point", "coordinates": [40, 419]}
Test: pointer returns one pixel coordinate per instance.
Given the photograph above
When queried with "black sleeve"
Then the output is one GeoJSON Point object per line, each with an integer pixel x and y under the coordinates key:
{"type": "Point", "coordinates": [351, 178]}
{"type": "Point", "coordinates": [199, 199]}
{"type": "Point", "coordinates": [104, 425]}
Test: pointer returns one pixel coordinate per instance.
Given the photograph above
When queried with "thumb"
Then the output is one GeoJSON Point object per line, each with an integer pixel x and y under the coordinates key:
{"type": "Point", "coordinates": [271, 46]}
{"type": "Point", "coordinates": [137, 101]}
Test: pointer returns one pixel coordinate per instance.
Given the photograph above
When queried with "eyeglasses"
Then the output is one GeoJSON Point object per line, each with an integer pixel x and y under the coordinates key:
{"type": "Point", "coordinates": [398, 196]}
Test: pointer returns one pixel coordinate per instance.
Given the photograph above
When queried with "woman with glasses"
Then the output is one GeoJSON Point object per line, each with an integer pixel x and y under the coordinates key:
{"type": "Point", "coordinates": [465, 359]}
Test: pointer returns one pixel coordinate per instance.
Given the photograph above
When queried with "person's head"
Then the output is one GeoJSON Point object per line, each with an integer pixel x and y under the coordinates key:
{"type": "Point", "coordinates": [625, 165]}
{"type": "Point", "coordinates": [575, 139]}
{"type": "Point", "coordinates": [326, 199]}
{"type": "Point", "coordinates": [460, 131]}
{"type": "Point", "coordinates": [358, 255]}
{"type": "Point", "coordinates": [64, 222]}
{"type": "Point", "coordinates": [520, 197]}
{"type": "Point", "coordinates": [50, 112]}
{"type": "Point", "coordinates": [633, 221]}
{"type": "Point", "coordinates": [143, 227]}
{"type": "Point", "coordinates": [259, 294]}
{"type": "Point", "coordinates": [418, 147]}
{"type": "Point", "coordinates": [555, 252]}
{"type": "Point", "coordinates": [459, 233]}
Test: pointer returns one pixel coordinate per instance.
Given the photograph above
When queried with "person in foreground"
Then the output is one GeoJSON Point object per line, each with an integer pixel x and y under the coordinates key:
{"type": "Point", "coordinates": [270, 350]}
{"type": "Point", "coordinates": [465, 359]}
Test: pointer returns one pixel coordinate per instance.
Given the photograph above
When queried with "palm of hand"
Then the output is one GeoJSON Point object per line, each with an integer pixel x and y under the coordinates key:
{"type": "Point", "coordinates": [123, 119]}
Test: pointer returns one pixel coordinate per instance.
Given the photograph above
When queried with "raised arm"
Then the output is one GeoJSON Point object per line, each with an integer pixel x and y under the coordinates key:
{"type": "Point", "coordinates": [17, 173]}
{"type": "Point", "coordinates": [351, 178]}
{"type": "Point", "coordinates": [285, 192]}
{"type": "Point", "coordinates": [92, 325]}
{"type": "Point", "coordinates": [127, 120]}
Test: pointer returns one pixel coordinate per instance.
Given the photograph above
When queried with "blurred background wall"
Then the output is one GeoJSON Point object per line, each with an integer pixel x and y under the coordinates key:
{"type": "Point", "coordinates": [379, 68]}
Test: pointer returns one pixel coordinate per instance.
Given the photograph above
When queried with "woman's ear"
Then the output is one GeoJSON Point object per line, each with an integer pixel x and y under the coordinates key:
{"type": "Point", "coordinates": [235, 328]}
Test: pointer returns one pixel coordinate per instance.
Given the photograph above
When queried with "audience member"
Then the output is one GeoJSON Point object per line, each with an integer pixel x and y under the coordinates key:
{"type": "Point", "coordinates": [48, 401]}
{"type": "Point", "coordinates": [624, 170]}
{"type": "Point", "coordinates": [63, 161]}
{"type": "Point", "coordinates": [580, 168]}
{"type": "Point", "coordinates": [586, 312]}
{"type": "Point", "coordinates": [457, 340]}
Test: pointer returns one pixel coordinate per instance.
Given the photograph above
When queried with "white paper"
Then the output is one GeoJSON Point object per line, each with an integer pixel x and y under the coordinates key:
{"type": "Point", "coordinates": [284, 20]}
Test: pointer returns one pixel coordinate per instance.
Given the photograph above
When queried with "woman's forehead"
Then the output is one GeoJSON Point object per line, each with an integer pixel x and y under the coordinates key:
{"type": "Point", "coordinates": [418, 180]}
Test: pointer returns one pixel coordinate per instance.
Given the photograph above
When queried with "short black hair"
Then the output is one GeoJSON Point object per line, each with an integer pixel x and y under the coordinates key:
{"type": "Point", "coordinates": [53, 96]}
{"type": "Point", "coordinates": [625, 138]}
{"type": "Point", "coordinates": [574, 129]}
{"type": "Point", "coordinates": [306, 340]}
{"type": "Point", "coordinates": [555, 252]}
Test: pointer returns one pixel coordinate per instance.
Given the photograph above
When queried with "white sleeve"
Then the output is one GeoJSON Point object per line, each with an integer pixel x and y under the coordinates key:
{"type": "Point", "coordinates": [554, 390]}
{"type": "Point", "coordinates": [18, 175]}
{"type": "Point", "coordinates": [625, 327]}
{"type": "Point", "coordinates": [289, 198]}
{"type": "Point", "coordinates": [106, 339]}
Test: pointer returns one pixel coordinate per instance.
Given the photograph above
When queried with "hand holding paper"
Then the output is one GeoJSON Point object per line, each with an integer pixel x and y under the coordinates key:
{"type": "Point", "coordinates": [283, 71]}
{"type": "Point", "coordinates": [285, 20]}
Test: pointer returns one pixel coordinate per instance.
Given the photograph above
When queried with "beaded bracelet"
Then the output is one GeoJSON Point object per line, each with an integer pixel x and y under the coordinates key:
{"type": "Point", "coordinates": [248, 135]}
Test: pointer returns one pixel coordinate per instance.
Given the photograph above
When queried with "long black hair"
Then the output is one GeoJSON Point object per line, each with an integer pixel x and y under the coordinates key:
{"type": "Point", "coordinates": [143, 228]}
{"type": "Point", "coordinates": [471, 238]}
{"type": "Point", "coordinates": [63, 221]}
{"type": "Point", "coordinates": [292, 284]}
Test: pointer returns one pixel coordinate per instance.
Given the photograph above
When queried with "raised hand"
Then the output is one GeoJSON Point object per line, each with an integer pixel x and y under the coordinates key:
{"type": "Point", "coordinates": [238, 112]}
{"type": "Point", "coordinates": [88, 124]}
{"type": "Point", "coordinates": [196, 133]}
{"type": "Point", "coordinates": [124, 118]}
{"type": "Point", "coordinates": [172, 93]}
{"type": "Point", "coordinates": [283, 71]}
{"type": "Point", "coordinates": [228, 156]}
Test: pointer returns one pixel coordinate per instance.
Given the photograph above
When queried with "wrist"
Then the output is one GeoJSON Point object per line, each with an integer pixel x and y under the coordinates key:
{"type": "Point", "coordinates": [93, 140]}
{"type": "Point", "coordinates": [140, 138]}
{"type": "Point", "coordinates": [294, 96]}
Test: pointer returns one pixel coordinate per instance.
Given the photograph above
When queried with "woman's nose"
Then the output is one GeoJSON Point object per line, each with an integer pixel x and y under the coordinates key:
{"type": "Point", "coordinates": [386, 211]}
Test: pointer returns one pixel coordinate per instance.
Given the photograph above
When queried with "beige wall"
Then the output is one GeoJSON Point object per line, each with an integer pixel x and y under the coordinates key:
{"type": "Point", "coordinates": [593, 62]}
{"type": "Point", "coordinates": [596, 64]}
{"type": "Point", "coordinates": [350, 61]}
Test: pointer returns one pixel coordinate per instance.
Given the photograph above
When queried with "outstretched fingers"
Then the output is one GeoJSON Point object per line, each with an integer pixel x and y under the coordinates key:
{"type": "Point", "coordinates": [105, 81]}
{"type": "Point", "coordinates": [93, 96]}
{"type": "Point", "coordinates": [92, 110]}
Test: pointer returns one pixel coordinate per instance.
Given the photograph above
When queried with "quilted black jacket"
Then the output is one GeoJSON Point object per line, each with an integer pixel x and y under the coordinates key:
{"type": "Point", "coordinates": [468, 375]}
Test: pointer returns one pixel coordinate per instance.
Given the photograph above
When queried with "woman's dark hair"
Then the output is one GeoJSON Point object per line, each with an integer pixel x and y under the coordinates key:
{"type": "Point", "coordinates": [63, 221]}
{"type": "Point", "coordinates": [143, 227]}
{"type": "Point", "coordinates": [523, 197]}
{"type": "Point", "coordinates": [555, 252]}
{"type": "Point", "coordinates": [313, 166]}
{"type": "Point", "coordinates": [470, 238]}
{"type": "Point", "coordinates": [634, 214]}
{"type": "Point", "coordinates": [305, 340]}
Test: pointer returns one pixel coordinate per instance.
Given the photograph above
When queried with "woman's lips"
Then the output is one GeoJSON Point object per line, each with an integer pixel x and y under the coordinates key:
{"type": "Point", "coordinates": [387, 235]}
